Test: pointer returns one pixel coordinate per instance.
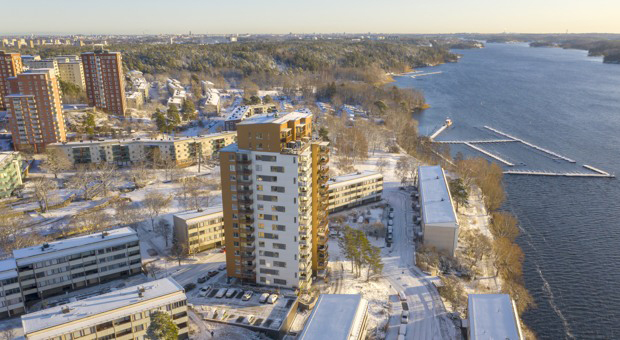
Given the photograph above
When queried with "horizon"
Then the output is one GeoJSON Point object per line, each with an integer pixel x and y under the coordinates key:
{"type": "Point", "coordinates": [319, 17]}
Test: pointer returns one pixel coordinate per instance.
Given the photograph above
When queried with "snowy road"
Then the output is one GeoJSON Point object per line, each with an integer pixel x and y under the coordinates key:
{"type": "Point", "coordinates": [427, 316]}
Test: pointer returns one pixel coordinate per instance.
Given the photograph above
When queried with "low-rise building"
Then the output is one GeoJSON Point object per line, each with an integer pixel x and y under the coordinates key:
{"type": "Point", "coordinates": [246, 111]}
{"type": "Point", "coordinates": [135, 100]}
{"type": "Point", "coordinates": [200, 230]}
{"type": "Point", "coordinates": [184, 151]}
{"type": "Point", "coordinates": [492, 316]}
{"type": "Point", "coordinates": [211, 104]}
{"type": "Point", "coordinates": [10, 172]}
{"type": "Point", "coordinates": [440, 226]}
{"type": "Point", "coordinates": [122, 314]}
{"type": "Point", "coordinates": [351, 190]}
{"type": "Point", "coordinates": [337, 317]}
{"type": "Point", "coordinates": [11, 299]}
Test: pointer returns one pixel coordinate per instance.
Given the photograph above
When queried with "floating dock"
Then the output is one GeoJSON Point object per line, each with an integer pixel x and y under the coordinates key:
{"type": "Point", "coordinates": [551, 173]}
{"type": "Point", "coordinates": [494, 156]}
{"type": "Point", "coordinates": [477, 141]}
{"type": "Point", "coordinates": [425, 74]}
{"type": "Point", "coordinates": [530, 145]}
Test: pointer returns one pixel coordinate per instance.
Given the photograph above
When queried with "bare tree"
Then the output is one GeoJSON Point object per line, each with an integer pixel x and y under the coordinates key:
{"type": "Point", "coordinates": [43, 191]}
{"type": "Point", "coordinates": [56, 162]}
{"type": "Point", "coordinates": [381, 164]}
{"type": "Point", "coordinates": [152, 269]}
{"type": "Point", "coordinates": [107, 175]}
{"type": "Point", "coordinates": [83, 180]}
{"type": "Point", "coordinates": [140, 174]}
{"type": "Point", "coordinates": [179, 252]}
{"type": "Point", "coordinates": [155, 203]}
{"type": "Point", "coordinates": [92, 221]}
{"type": "Point", "coordinates": [8, 333]}
{"type": "Point", "coordinates": [195, 194]}
{"type": "Point", "coordinates": [163, 229]}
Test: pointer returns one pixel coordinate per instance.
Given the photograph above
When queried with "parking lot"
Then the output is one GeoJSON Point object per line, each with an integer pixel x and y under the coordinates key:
{"type": "Point", "coordinates": [234, 309]}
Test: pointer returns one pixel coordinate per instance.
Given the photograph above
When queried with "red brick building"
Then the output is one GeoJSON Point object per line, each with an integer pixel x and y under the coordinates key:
{"type": "Point", "coordinates": [105, 84]}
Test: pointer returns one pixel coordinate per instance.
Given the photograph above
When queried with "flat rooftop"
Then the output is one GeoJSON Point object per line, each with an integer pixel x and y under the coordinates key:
{"type": "Point", "coordinates": [122, 234]}
{"type": "Point", "coordinates": [493, 316]}
{"type": "Point", "coordinates": [189, 215]}
{"type": "Point", "coordinates": [99, 309]}
{"type": "Point", "coordinates": [276, 118]}
{"type": "Point", "coordinates": [335, 317]}
{"type": "Point", "coordinates": [150, 140]}
{"type": "Point", "coordinates": [436, 203]}
{"type": "Point", "coordinates": [354, 177]}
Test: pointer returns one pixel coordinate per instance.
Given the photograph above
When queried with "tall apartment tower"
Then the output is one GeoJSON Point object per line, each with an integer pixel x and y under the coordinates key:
{"type": "Point", "coordinates": [10, 66]}
{"type": "Point", "coordinates": [35, 110]}
{"type": "Point", "coordinates": [274, 194]}
{"type": "Point", "coordinates": [105, 84]}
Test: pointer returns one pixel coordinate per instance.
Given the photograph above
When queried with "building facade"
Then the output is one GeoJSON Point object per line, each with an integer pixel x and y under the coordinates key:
{"type": "Point", "coordinates": [351, 190]}
{"type": "Point", "coordinates": [184, 151]}
{"type": "Point", "coordinates": [71, 70]}
{"type": "Point", "coordinates": [105, 83]}
{"type": "Point", "coordinates": [440, 228]}
{"type": "Point", "coordinates": [10, 173]}
{"type": "Point", "coordinates": [122, 314]}
{"type": "Point", "coordinates": [11, 299]}
{"type": "Point", "coordinates": [10, 66]}
{"type": "Point", "coordinates": [274, 211]}
{"type": "Point", "coordinates": [35, 110]}
{"type": "Point", "coordinates": [201, 230]}
{"type": "Point", "coordinates": [42, 63]}
{"type": "Point", "coordinates": [337, 317]}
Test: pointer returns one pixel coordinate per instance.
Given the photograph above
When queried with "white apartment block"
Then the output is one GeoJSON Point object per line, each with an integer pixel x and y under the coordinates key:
{"type": "Point", "coordinates": [123, 314]}
{"type": "Point", "coordinates": [43, 63]}
{"type": "Point", "coordinates": [184, 151]}
{"type": "Point", "coordinates": [355, 189]}
{"type": "Point", "coordinates": [11, 299]}
{"type": "Point", "coordinates": [71, 70]}
{"type": "Point", "coordinates": [200, 230]}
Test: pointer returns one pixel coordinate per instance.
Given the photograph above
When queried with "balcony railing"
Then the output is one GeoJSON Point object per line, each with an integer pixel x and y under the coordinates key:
{"type": "Point", "coordinates": [244, 161]}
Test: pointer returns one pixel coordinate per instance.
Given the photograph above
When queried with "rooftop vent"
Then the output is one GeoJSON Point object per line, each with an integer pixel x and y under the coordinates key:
{"type": "Point", "coordinates": [104, 234]}
{"type": "Point", "coordinates": [45, 246]}
{"type": "Point", "coordinates": [65, 309]}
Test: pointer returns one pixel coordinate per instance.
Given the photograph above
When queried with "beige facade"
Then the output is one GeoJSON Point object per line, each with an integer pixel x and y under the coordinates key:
{"type": "Point", "coordinates": [123, 314]}
{"type": "Point", "coordinates": [35, 110]}
{"type": "Point", "coordinates": [275, 215]}
{"type": "Point", "coordinates": [184, 151]}
{"type": "Point", "coordinates": [200, 230]}
{"type": "Point", "coordinates": [43, 63]}
{"type": "Point", "coordinates": [354, 189]}
{"type": "Point", "coordinates": [71, 70]}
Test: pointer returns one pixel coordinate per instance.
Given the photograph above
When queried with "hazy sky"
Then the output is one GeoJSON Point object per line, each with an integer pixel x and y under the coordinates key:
{"type": "Point", "coordinates": [320, 16]}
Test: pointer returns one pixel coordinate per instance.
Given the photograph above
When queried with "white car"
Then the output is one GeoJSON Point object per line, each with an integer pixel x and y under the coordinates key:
{"type": "Point", "coordinates": [250, 319]}
{"type": "Point", "coordinates": [231, 292]}
{"type": "Point", "coordinates": [404, 317]}
{"type": "Point", "coordinates": [204, 291]}
{"type": "Point", "coordinates": [220, 293]}
{"type": "Point", "coordinates": [402, 330]}
{"type": "Point", "coordinates": [263, 298]}
{"type": "Point", "coordinates": [248, 295]}
{"type": "Point", "coordinates": [272, 298]}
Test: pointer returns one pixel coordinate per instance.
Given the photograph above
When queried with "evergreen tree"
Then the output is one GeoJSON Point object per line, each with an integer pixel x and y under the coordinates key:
{"type": "Point", "coordinates": [89, 124]}
{"type": "Point", "coordinates": [459, 193]}
{"type": "Point", "coordinates": [173, 117]}
{"type": "Point", "coordinates": [188, 109]}
{"type": "Point", "coordinates": [162, 327]}
{"type": "Point", "coordinates": [160, 121]}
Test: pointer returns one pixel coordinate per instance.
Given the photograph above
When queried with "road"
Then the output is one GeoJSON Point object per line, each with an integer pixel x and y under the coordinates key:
{"type": "Point", "coordinates": [427, 315]}
{"type": "Point", "coordinates": [191, 272]}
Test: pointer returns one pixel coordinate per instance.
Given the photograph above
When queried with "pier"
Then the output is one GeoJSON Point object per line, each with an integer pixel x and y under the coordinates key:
{"type": "Point", "coordinates": [477, 141]}
{"type": "Point", "coordinates": [496, 157]}
{"type": "Point", "coordinates": [425, 74]}
{"type": "Point", "coordinates": [551, 173]}
{"type": "Point", "coordinates": [440, 130]}
{"type": "Point", "coordinates": [530, 145]}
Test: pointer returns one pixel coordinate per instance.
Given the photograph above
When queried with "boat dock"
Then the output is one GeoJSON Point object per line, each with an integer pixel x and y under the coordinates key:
{"type": "Point", "coordinates": [551, 173]}
{"type": "Point", "coordinates": [530, 145]}
{"type": "Point", "coordinates": [440, 130]}
{"type": "Point", "coordinates": [425, 74]}
{"type": "Point", "coordinates": [494, 156]}
{"type": "Point", "coordinates": [476, 141]}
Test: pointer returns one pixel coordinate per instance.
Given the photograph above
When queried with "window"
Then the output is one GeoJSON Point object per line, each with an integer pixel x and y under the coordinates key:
{"type": "Point", "coordinates": [264, 178]}
{"type": "Point", "coordinates": [269, 271]}
{"type": "Point", "coordinates": [277, 208]}
{"type": "Point", "coordinates": [279, 246]}
{"type": "Point", "coordinates": [267, 235]}
{"type": "Point", "coordinates": [275, 188]}
{"type": "Point", "coordinates": [267, 253]}
{"type": "Point", "coordinates": [259, 167]}
{"type": "Point", "coordinates": [278, 227]}
{"type": "Point", "coordinates": [279, 282]}
{"type": "Point", "coordinates": [232, 168]}
{"type": "Point", "coordinates": [261, 244]}
{"type": "Point", "coordinates": [279, 264]}
{"type": "Point", "coordinates": [277, 169]}
{"type": "Point", "coordinates": [261, 226]}
{"type": "Point", "coordinates": [259, 187]}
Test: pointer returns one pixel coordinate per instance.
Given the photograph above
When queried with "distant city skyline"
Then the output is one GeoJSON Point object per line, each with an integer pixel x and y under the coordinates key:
{"type": "Point", "coordinates": [318, 16]}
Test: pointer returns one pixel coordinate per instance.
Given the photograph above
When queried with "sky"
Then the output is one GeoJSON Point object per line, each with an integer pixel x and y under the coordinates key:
{"type": "Point", "coordinates": [302, 16]}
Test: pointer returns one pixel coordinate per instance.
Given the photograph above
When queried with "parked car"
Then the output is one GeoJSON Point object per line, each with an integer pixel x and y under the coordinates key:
{"type": "Point", "coordinates": [248, 295]}
{"type": "Point", "coordinates": [189, 286]}
{"type": "Point", "coordinates": [220, 293]}
{"type": "Point", "coordinates": [391, 214]}
{"type": "Point", "coordinates": [212, 273]}
{"type": "Point", "coordinates": [400, 337]}
{"type": "Point", "coordinates": [272, 298]}
{"type": "Point", "coordinates": [221, 267]}
{"type": "Point", "coordinates": [263, 298]}
{"type": "Point", "coordinates": [404, 317]}
{"type": "Point", "coordinates": [390, 222]}
{"type": "Point", "coordinates": [402, 296]}
{"type": "Point", "coordinates": [204, 291]}
{"type": "Point", "coordinates": [250, 318]}
{"type": "Point", "coordinates": [402, 330]}
{"type": "Point", "coordinates": [203, 279]}
{"type": "Point", "coordinates": [231, 292]}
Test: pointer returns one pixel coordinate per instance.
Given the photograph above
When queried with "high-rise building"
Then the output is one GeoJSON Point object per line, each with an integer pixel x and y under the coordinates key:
{"type": "Point", "coordinates": [274, 194]}
{"type": "Point", "coordinates": [42, 63]}
{"type": "Point", "coordinates": [71, 70]}
{"type": "Point", "coordinates": [105, 83]}
{"type": "Point", "coordinates": [35, 110]}
{"type": "Point", "coordinates": [10, 66]}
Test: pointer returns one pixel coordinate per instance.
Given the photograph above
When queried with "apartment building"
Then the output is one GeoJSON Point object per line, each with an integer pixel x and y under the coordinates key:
{"type": "Point", "coordinates": [71, 70]}
{"type": "Point", "coordinates": [246, 111]}
{"type": "Point", "coordinates": [105, 83]}
{"type": "Point", "coordinates": [10, 173]}
{"type": "Point", "coordinates": [492, 316]}
{"type": "Point", "coordinates": [275, 201]}
{"type": "Point", "coordinates": [123, 314]}
{"type": "Point", "coordinates": [184, 151]}
{"type": "Point", "coordinates": [10, 66]}
{"type": "Point", "coordinates": [355, 189]}
{"type": "Point", "coordinates": [42, 63]}
{"type": "Point", "coordinates": [35, 110]}
{"type": "Point", "coordinates": [200, 230]}
{"type": "Point", "coordinates": [11, 299]}
{"type": "Point", "coordinates": [337, 317]}
{"type": "Point", "coordinates": [440, 226]}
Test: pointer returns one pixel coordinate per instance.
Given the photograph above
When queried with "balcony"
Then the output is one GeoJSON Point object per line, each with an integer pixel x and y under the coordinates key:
{"type": "Point", "coordinates": [244, 161]}
{"type": "Point", "coordinates": [245, 191]}
{"type": "Point", "coordinates": [248, 220]}
{"type": "Point", "coordinates": [245, 200]}
{"type": "Point", "coordinates": [246, 210]}
{"type": "Point", "coordinates": [245, 171]}
{"type": "Point", "coordinates": [248, 256]}
{"type": "Point", "coordinates": [322, 240]}
{"type": "Point", "coordinates": [248, 276]}
{"type": "Point", "coordinates": [322, 265]}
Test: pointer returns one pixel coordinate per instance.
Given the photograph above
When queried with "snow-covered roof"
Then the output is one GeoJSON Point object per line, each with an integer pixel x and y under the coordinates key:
{"type": "Point", "coordinates": [277, 118]}
{"type": "Point", "coordinates": [188, 215]}
{"type": "Point", "coordinates": [355, 177]}
{"type": "Point", "coordinates": [493, 316]}
{"type": "Point", "coordinates": [29, 255]}
{"type": "Point", "coordinates": [149, 140]}
{"type": "Point", "coordinates": [7, 156]}
{"type": "Point", "coordinates": [435, 200]}
{"type": "Point", "coordinates": [8, 269]}
{"type": "Point", "coordinates": [101, 308]}
{"type": "Point", "coordinates": [336, 317]}
{"type": "Point", "coordinates": [238, 113]}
